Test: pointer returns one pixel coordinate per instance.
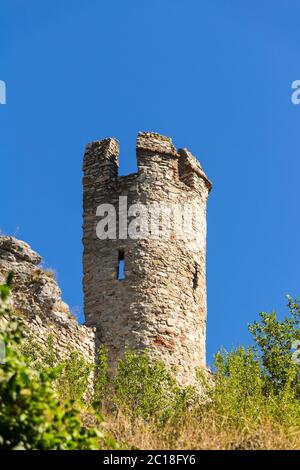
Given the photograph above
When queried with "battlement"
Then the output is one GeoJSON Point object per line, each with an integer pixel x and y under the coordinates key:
{"type": "Point", "coordinates": [101, 159]}
{"type": "Point", "coordinates": [190, 169]}
{"type": "Point", "coordinates": [156, 143]}
{"type": "Point", "coordinates": [156, 156]}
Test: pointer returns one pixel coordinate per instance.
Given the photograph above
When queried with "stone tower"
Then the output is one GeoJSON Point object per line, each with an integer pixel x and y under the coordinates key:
{"type": "Point", "coordinates": [159, 301]}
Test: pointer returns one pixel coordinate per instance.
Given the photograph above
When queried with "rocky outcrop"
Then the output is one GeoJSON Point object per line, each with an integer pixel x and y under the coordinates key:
{"type": "Point", "coordinates": [36, 296]}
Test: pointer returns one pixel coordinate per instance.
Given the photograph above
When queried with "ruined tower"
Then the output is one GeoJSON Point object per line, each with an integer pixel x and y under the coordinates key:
{"type": "Point", "coordinates": [159, 301]}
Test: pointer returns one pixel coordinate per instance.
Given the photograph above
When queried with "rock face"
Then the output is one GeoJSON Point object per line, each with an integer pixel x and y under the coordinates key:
{"type": "Point", "coordinates": [161, 303]}
{"type": "Point", "coordinates": [36, 295]}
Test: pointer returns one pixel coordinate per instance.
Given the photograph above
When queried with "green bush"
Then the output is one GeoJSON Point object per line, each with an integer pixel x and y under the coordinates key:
{"type": "Point", "coordinates": [242, 394]}
{"type": "Point", "coordinates": [238, 387]}
{"type": "Point", "coordinates": [40, 358]}
{"type": "Point", "coordinates": [73, 377]}
{"type": "Point", "coordinates": [71, 374]}
{"type": "Point", "coordinates": [274, 339]}
{"type": "Point", "coordinates": [261, 382]}
{"type": "Point", "coordinates": [31, 417]}
{"type": "Point", "coordinates": [143, 388]}
{"type": "Point", "coordinates": [102, 379]}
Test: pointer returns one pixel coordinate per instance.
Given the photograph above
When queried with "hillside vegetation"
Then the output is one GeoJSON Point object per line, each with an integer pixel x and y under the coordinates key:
{"type": "Point", "coordinates": [252, 402]}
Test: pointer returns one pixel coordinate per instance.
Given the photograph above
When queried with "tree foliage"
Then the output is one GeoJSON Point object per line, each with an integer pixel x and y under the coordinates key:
{"type": "Point", "coordinates": [31, 417]}
{"type": "Point", "coordinates": [274, 339]}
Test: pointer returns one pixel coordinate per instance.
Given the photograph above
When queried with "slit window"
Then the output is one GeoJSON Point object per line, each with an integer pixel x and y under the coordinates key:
{"type": "Point", "coordinates": [121, 266]}
{"type": "Point", "coordinates": [196, 277]}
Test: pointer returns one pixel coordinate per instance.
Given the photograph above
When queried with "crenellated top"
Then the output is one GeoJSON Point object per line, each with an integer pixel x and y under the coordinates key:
{"type": "Point", "coordinates": [190, 169]}
{"type": "Point", "coordinates": [156, 156]}
{"type": "Point", "coordinates": [156, 143]}
{"type": "Point", "coordinates": [101, 159]}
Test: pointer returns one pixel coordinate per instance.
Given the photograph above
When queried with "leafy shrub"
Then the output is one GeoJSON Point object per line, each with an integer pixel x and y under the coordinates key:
{"type": "Point", "coordinates": [238, 390]}
{"type": "Point", "coordinates": [73, 377]}
{"type": "Point", "coordinates": [102, 379]}
{"type": "Point", "coordinates": [40, 358]}
{"type": "Point", "coordinates": [260, 383]}
{"type": "Point", "coordinates": [31, 417]}
{"type": "Point", "coordinates": [71, 374]}
{"type": "Point", "coordinates": [274, 340]}
{"type": "Point", "coordinates": [143, 388]}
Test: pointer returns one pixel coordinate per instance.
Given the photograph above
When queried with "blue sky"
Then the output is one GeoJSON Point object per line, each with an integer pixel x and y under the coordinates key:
{"type": "Point", "coordinates": [214, 75]}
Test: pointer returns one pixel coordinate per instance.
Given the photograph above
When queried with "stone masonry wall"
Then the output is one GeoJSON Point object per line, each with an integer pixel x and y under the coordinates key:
{"type": "Point", "coordinates": [37, 297]}
{"type": "Point", "coordinates": [161, 303]}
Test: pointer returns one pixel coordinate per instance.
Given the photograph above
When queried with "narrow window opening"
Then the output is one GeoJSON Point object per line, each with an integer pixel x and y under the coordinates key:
{"type": "Point", "coordinates": [121, 266]}
{"type": "Point", "coordinates": [196, 277]}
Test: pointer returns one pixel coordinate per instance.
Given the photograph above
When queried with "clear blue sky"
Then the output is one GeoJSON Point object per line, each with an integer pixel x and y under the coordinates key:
{"type": "Point", "coordinates": [214, 75]}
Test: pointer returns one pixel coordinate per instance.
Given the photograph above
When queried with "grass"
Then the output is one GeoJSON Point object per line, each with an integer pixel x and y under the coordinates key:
{"type": "Point", "coordinates": [210, 432]}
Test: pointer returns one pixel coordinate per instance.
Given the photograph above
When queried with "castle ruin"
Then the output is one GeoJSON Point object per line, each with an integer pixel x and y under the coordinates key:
{"type": "Point", "coordinates": [159, 302]}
